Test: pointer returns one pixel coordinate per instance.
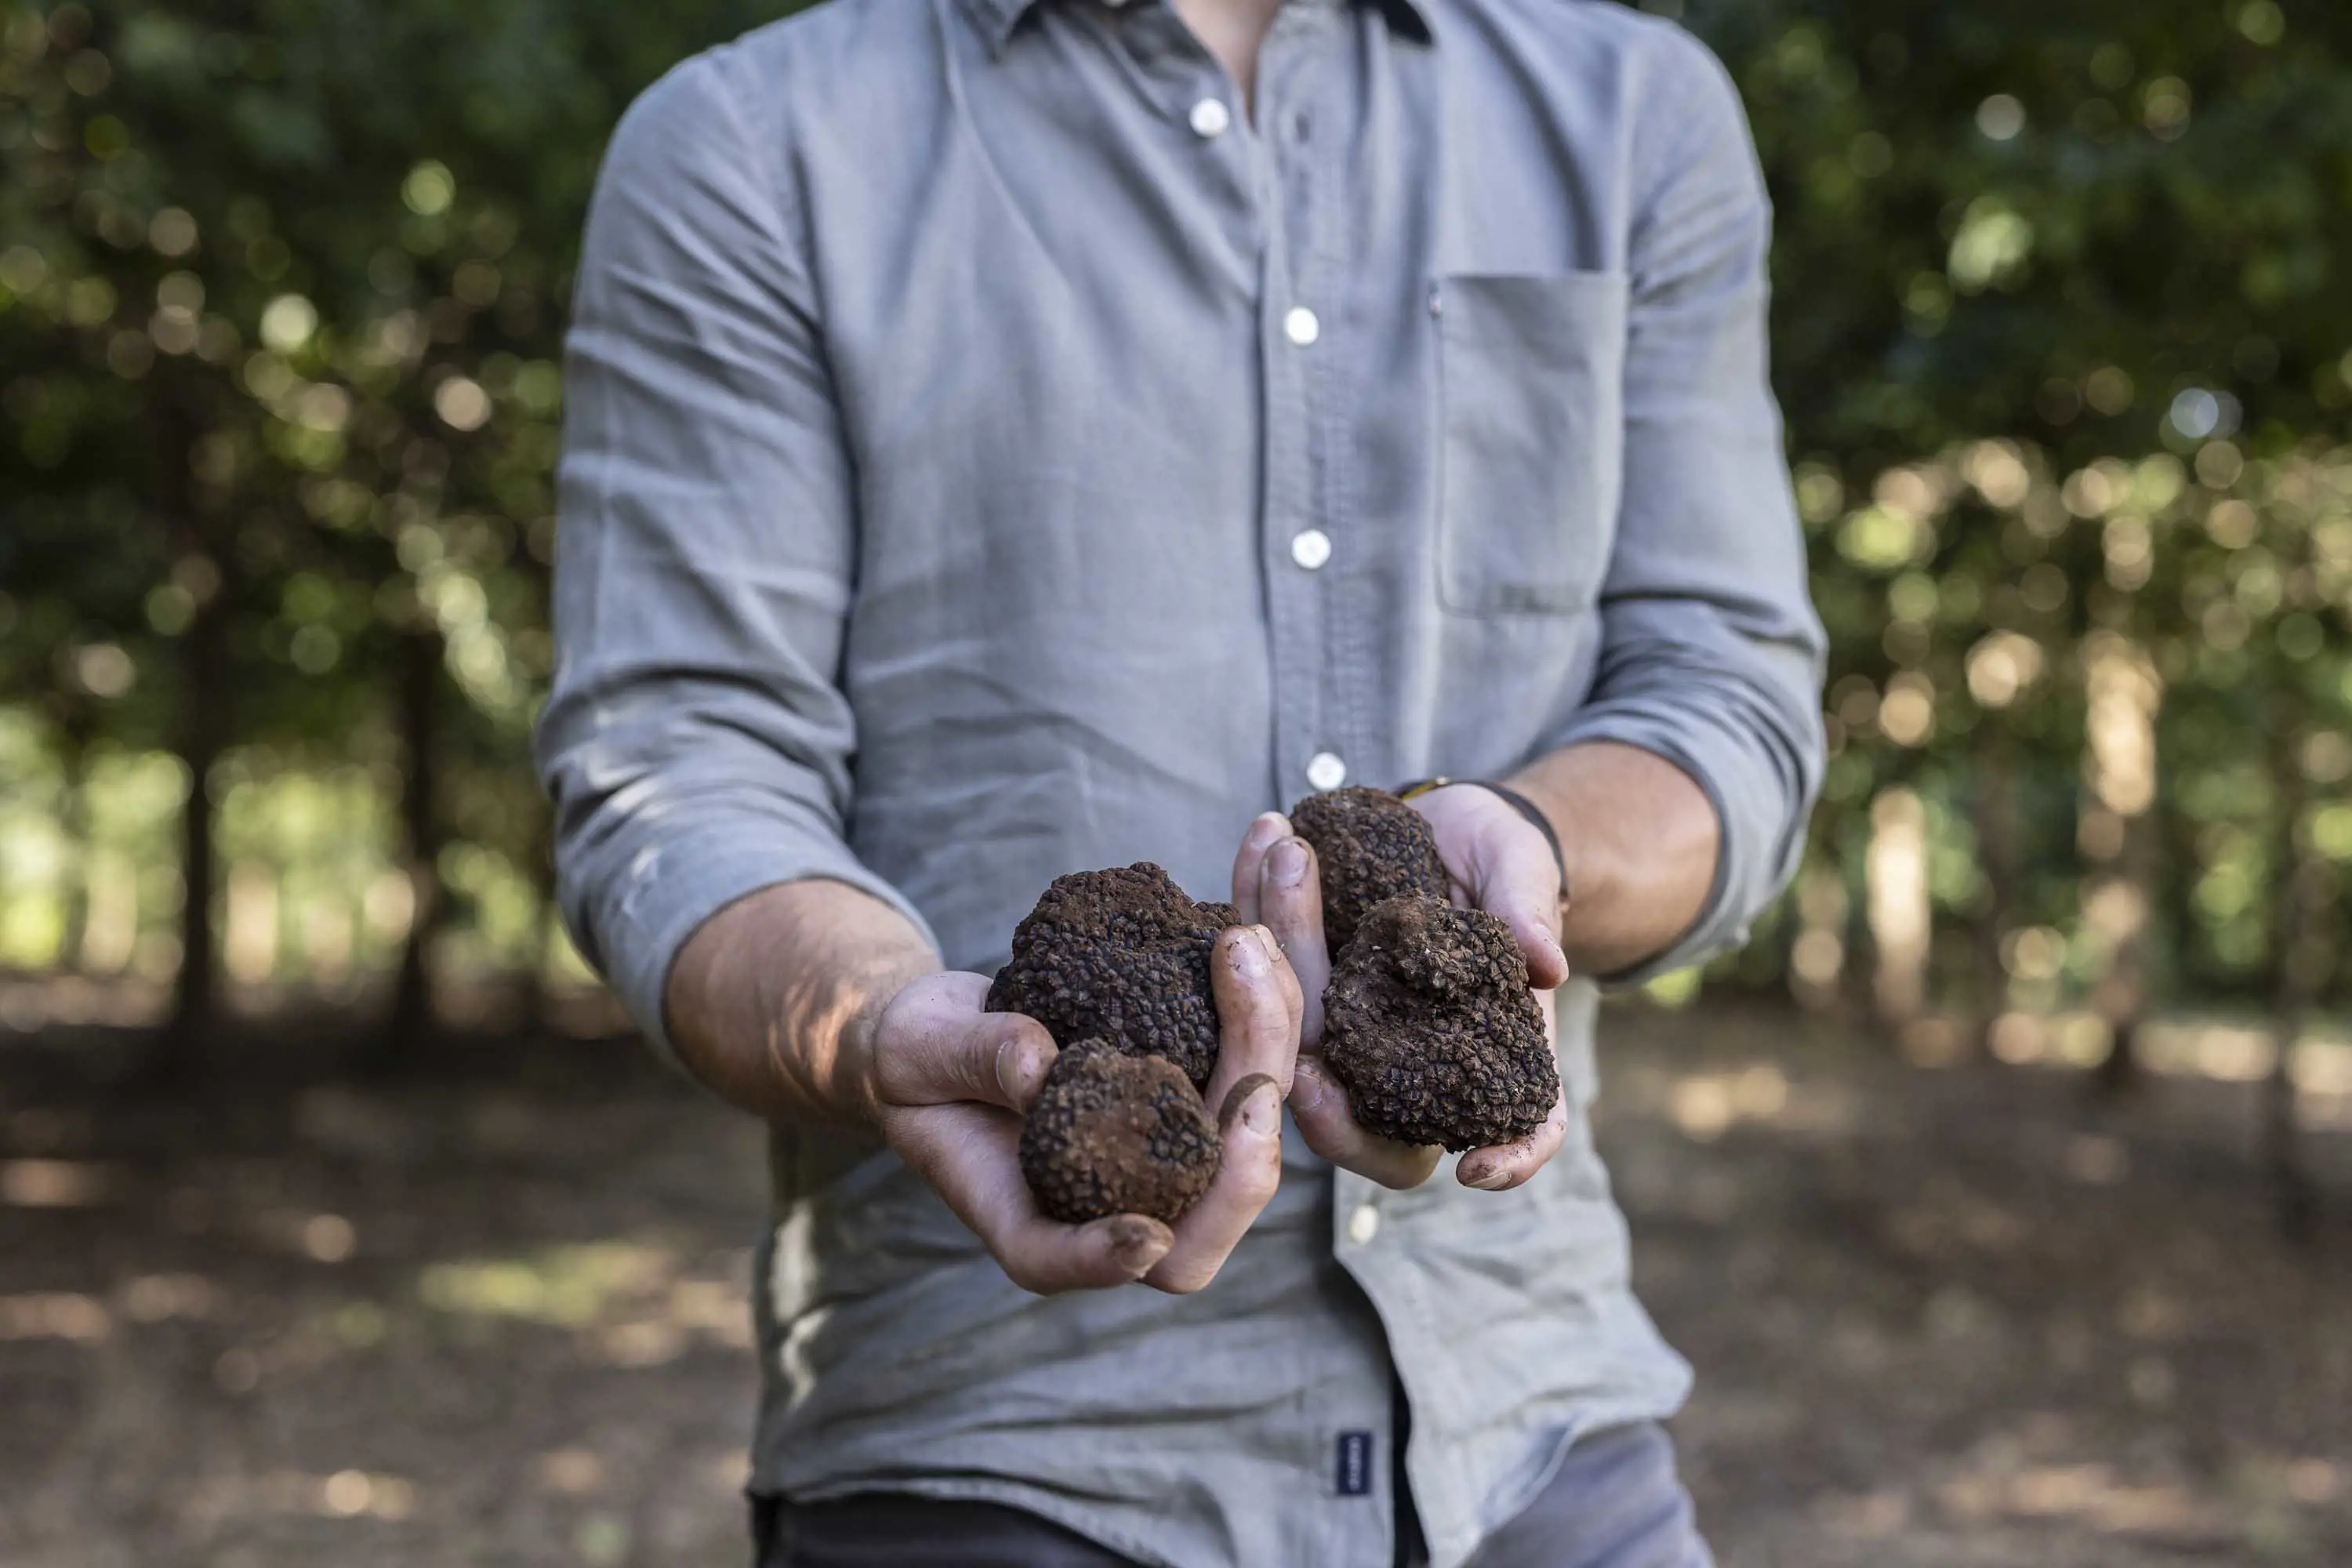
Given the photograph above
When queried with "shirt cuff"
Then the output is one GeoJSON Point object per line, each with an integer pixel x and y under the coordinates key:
{"type": "Point", "coordinates": [670, 888]}
{"type": "Point", "coordinates": [1755, 845]}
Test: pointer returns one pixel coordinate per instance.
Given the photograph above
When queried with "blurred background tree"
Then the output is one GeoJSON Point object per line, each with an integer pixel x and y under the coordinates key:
{"type": "Point", "coordinates": [2059, 334]}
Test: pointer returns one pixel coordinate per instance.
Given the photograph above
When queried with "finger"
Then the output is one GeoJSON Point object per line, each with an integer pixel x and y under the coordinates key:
{"type": "Point", "coordinates": [937, 1046]}
{"type": "Point", "coordinates": [1262, 835]}
{"type": "Point", "coordinates": [1290, 899]}
{"type": "Point", "coordinates": [1518, 883]}
{"type": "Point", "coordinates": [1247, 1174]}
{"type": "Point", "coordinates": [1258, 1005]}
{"type": "Point", "coordinates": [1501, 1166]}
{"type": "Point", "coordinates": [971, 1156]}
{"type": "Point", "coordinates": [1319, 1105]}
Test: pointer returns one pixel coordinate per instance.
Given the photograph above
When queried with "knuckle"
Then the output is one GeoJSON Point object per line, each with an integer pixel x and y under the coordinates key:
{"type": "Point", "coordinates": [1027, 1277]}
{"type": "Point", "coordinates": [1185, 1282]}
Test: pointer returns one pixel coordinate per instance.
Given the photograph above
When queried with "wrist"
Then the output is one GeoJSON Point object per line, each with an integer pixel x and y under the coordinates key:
{"type": "Point", "coordinates": [1535, 812]}
{"type": "Point", "coordinates": [1641, 839]}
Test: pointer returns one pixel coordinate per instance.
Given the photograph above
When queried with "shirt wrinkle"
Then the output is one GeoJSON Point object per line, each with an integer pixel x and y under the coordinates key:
{"type": "Point", "coordinates": [953, 410]}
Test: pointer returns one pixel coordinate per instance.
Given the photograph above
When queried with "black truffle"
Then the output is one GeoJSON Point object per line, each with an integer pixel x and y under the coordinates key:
{"type": "Point", "coordinates": [1114, 1134]}
{"type": "Point", "coordinates": [1429, 1024]}
{"type": "Point", "coordinates": [1120, 955]}
{"type": "Point", "coordinates": [1371, 847]}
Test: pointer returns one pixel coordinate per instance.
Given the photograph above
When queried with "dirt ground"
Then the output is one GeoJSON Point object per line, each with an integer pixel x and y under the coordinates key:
{"type": "Point", "coordinates": [491, 1311]}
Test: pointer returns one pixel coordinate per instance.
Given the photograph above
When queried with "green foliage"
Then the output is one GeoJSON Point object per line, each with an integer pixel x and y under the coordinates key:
{"type": "Point", "coordinates": [282, 294]}
{"type": "Point", "coordinates": [2064, 354]}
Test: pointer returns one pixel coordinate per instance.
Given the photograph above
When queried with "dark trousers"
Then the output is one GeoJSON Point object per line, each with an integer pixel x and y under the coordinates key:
{"type": "Point", "coordinates": [1616, 1502]}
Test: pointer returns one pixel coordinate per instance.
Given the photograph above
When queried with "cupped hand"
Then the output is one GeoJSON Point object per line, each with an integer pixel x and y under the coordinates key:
{"type": "Point", "coordinates": [950, 1081]}
{"type": "Point", "coordinates": [1500, 863]}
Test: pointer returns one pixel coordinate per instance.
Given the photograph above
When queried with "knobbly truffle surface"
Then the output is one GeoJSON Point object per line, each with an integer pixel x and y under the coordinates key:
{"type": "Point", "coordinates": [1371, 847]}
{"type": "Point", "coordinates": [1114, 1134]}
{"type": "Point", "coordinates": [1429, 1024]}
{"type": "Point", "coordinates": [1120, 955]}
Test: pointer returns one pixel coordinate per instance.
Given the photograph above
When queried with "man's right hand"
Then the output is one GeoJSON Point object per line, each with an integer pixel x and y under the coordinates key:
{"type": "Point", "coordinates": [949, 1081]}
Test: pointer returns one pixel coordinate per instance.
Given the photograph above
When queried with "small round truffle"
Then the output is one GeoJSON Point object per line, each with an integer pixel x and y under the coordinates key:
{"type": "Point", "coordinates": [1371, 847]}
{"type": "Point", "coordinates": [1114, 1134]}
{"type": "Point", "coordinates": [1429, 1024]}
{"type": "Point", "coordinates": [1120, 955]}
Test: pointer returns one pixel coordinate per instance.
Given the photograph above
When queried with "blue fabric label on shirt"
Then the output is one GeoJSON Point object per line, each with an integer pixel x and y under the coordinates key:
{"type": "Point", "coordinates": [1355, 1464]}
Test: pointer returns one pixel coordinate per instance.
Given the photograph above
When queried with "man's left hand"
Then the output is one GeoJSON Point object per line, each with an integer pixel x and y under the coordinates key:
{"type": "Point", "coordinates": [1498, 861]}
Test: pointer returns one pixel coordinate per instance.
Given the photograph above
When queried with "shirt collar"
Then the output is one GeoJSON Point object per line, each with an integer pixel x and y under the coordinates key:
{"type": "Point", "coordinates": [997, 19]}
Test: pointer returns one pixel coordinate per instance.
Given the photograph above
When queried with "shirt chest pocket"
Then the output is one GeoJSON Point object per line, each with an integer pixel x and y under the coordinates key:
{"type": "Point", "coordinates": [1531, 377]}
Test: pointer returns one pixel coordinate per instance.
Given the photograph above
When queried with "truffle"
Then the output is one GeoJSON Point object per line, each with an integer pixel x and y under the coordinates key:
{"type": "Point", "coordinates": [1429, 1024]}
{"type": "Point", "coordinates": [1115, 1133]}
{"type": "Point", "coordinates": [1371, 846]}
{"type": "Point", "coordinates": [1120, 955]}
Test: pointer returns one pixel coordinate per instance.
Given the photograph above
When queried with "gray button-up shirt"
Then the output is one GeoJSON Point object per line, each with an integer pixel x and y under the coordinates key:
{"type": "Point", "coordinates": [993, 451]}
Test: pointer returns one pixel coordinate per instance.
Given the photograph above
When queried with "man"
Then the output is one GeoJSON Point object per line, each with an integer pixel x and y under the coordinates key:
{"type": "Point", "coordinates": [1011, 437]}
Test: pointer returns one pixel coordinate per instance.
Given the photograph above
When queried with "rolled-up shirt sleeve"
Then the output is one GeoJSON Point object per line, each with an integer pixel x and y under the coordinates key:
{"type": "Point", "coordinates": [697, 742]}
{"type": "Point", "coordinates": [1711, 653]}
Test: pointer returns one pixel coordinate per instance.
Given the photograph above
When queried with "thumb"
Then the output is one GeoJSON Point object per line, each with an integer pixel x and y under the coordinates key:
{"type": "Point", "coordinates": [934, 1045]}
{"type": "Point", "coordinates": [1519, 885]}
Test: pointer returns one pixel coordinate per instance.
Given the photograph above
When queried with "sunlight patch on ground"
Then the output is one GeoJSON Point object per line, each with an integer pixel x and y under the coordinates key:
{"type": "Point", "coordinates": [625, 1299]}
{"type": "Point", "coordinates": [158, 1297]}
{"type": "Point", "coordinates": [344, 1494]}
{"type": "Point", "coordinates": [55, 1315]}
{"type": "Point", "coordinates": [564, 1287]}
{"type": "Point", "coordinates": [1865, 1516]}
{"type": "Point", "coordinates": [55, 1184]}
{"type": "Point", "coordinates": [2218, 1050]}
{"type": "Point", "coordinates": [2091, 1492]}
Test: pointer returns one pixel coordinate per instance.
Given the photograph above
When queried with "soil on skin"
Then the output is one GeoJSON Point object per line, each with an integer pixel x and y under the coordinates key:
{"type": "Point", "coordinates": [491, 1311]}
{"type": "Point", "coordinates": [1111, 1134]}
{"type": "Point", "coordinates": [1429, 1024]}
{"type": "Point", "coordinates": [1120, 955]}
{"type": "Point", "coordinates": [1370, 847]}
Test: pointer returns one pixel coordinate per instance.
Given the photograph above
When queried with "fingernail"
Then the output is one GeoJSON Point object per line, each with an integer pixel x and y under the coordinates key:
{"type": "Point", "coordinates": [1309, 1087]}
{"type": "Point", "coordinates": [1252, 957]}
{"type": "Point", "coordinates": [1269, 826]}
{"type": "Point", "coordinates": [1136, 1243]}
{"type": "Point", "coordinates": [1493, 1178]}
{"type": "Point", "coordinates": [1010, 1077]}
{"type": "Point", "coordinates": [1257, 1100]}
{"type": "Point", "coordinates": [1275, 950]}
{"type": "Point", "coordinates": [1287, 861]}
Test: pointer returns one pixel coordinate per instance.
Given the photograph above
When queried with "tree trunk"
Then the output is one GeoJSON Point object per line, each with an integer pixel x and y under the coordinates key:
{"type": "Point", "coordinates": [1996, 825]}
{"type": "Point", "coordinates": [410, 1018]}
{"type": "Point", "coordinates": [2124, 698]}
{"type": "Point", "coordinates": [2300, 959]}
{"type": "Point", "coordinates": [535, 999]}
{"type": "Point", "coordinates": [2121, 996]}
{"type": "Point", "coordinates": [73, 819]}
{"type": "Point", "coordinates": [204, 719]}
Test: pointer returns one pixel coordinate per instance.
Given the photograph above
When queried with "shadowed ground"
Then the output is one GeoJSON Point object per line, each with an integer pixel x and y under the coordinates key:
{"type": "Point", "coordinates": [491, 1312]}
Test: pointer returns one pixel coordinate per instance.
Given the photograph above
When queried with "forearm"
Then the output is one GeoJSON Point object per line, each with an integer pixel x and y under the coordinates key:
{"type": "Point", "coordinates": [1640, 838]}
{"type": "Point", "coordinates": [773, 1001]}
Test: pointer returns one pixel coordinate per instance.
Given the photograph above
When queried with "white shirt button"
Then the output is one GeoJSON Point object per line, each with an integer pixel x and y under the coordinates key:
{"type": "Point", "coordinates": [1325, 771]}
{"type": "Point", "coordinates": [1210, 118]}
{"type": "Point", "coordinates": [1301, 326]}
{"type": "Point", "coordinates": [1311, 548]}
{"type": "Point", "coordinates": [1363, 1224]}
